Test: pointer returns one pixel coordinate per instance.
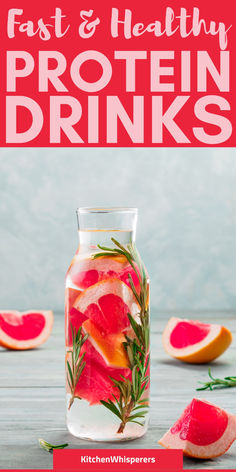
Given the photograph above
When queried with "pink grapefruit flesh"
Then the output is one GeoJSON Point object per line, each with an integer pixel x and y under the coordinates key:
{"type": "Point", "coordinates": [203, 431]}
{"type": "Point", "coordinates": [86, 272]}
{"type": "Point", "coordinates": [188, 333]}
{"type": "Point", "coordinates": [195, 342]}
{"type": "Point", "coordinates": [110, 346]}
{"type": "Point", "coordinates": [95, 358]}
{"type": "Point", "coordinates": [25, 330]}
{"type": "Point", "coordinates": [107, 304]}
{"type": "Point", "coordinates": [72, 316]}
{"type": "Point", "coordinates": [94, 384]}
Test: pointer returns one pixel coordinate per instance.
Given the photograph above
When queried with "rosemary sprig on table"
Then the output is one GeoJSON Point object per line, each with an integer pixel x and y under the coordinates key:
{"type": "Point", "coordinates": [214, 383]}
{"type": "Point", "coordinates": [131, 407]}
{"type": "Point", "coordinates": [76, 365]}
{"type": "Point", "coordinates": [50, 447]}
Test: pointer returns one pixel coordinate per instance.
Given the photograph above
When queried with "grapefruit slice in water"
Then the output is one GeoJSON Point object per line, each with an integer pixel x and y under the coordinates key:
{"type": "Point", "coordinates": [195, 342]}
{"type": "Point", "coordinates": [86, 272]}
{"type": "Point", "coordinates": [109, 346]}
{"type": "Point", "coordinates": [72, 316]}
{"type": "Point", "coordinates": [95, 382]}
{"type": "Point", "coordinates": [94, 385]}
{"type": "Point", "coordinates": [25, 330]}
{"type": "Point", "coordinates": [92, 356]}
{"type": "Point", "coordinates": [203, 431]}
{"type": "Point", "coordinates": [107, 304]}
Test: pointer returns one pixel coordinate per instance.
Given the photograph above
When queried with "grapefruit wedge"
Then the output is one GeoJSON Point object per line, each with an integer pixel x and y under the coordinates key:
{"type": "Point", "coordinates": [94, 385]}
{"type": "Point", "coordinates": [107, 304]}
{"type": "Point", "coordinates": [72, 316]}
{"type": "Point", "coordinates": [195, 342]}
{"type": "Point", "coordinates": [25, 330]}
{"type": "Point", "coordinates": [109, 346]}
{"type": "Point", "coordinates": [203, 431]}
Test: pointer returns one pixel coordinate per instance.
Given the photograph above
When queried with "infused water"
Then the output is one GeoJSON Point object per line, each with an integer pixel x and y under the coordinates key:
{"type": "Point", "coordinates": [107, 330]}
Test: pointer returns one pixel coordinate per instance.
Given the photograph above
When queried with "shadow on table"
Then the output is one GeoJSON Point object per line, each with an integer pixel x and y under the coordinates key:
{"type": "Point", "coordinates": [187, 366]}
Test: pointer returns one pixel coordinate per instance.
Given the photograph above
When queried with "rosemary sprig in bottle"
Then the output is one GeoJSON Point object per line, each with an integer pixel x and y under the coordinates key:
{"type": "Point", "coordinates": [214, 383]}
{"type": "Point", "coordinates": [76, 365]}
{"type": "Point", "coordinates": [131, 407]}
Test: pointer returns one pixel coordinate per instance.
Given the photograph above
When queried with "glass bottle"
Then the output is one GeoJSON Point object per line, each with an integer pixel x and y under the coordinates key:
{"type": "Point", "coordinates": [107, 329]}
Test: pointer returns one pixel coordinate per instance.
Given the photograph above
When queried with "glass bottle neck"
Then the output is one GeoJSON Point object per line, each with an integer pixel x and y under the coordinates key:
{"type": "Point", "coordinates": [91, 238]}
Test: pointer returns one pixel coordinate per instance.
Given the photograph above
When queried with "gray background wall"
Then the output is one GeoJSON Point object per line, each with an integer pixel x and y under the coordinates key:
{"type": "Point", "coordinates": [186, 231]}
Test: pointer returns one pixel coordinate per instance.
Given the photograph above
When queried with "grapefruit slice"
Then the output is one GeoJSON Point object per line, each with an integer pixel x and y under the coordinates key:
{"type": "Point", "coordinates": [203, 431]}
{"type": "Point", "coordinates": [92, 356]}
{"type": "Point", "coordinates": [72, 316]}
{"type": "Point", "coordinates": [70, 296]}
{"type": "Point", "coordinates": [86, 272]}
{"type": "Point", "coordinates": [25, 330]}
{"type": "Point", "coordinates": [107, 304]}
{"type": "Point", "coordinates": [95, 382]}
{"type": "Point", "coordinates": [95, 385]}
{"type": "Point", "coordinates": [110, 346]}
{"type": "Point", "coordinates": [195, 342]}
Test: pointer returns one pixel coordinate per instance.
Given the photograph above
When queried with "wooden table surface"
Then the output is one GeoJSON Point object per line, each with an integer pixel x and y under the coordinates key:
{"type": "Point", "coordinates": [32, 399]}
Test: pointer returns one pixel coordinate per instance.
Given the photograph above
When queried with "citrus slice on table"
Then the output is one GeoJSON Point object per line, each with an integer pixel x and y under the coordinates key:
{"type": "Point", "coordinates": [25, 330]}
{"type": "Point", "coordinates": [203, 431]}
{"type": "Point", "coordinates": [195, 342]}
{"type": "Point", "coordinates": [85, 272]}
{"type": "Point", "coordinates": [107, 304]}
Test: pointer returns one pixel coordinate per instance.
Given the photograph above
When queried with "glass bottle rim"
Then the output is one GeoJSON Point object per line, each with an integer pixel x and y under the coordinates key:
{"type": "Point", "coordinates": [97, 210]}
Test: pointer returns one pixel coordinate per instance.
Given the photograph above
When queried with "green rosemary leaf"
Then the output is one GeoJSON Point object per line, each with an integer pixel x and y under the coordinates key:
{"type": "Point", "coordinates": [80, 371]}
{"type": "Point", "coordinates": [120, 246]}
{"type": "Point", "coordinates": [76, 364]}
{"type": "Point", "coordinates": [147, 364]}
{"type": "Point", "coordinates": [130, 354]}
{"type": "Point", "coordinates": [50, 447]}
{"type": "Point", "coordinates": [214, 383]}
{"type": "Point", "coordinates": [134, 325]}
{"type": "Point", "coordinates": [137, 422]}
{"type": "Point", "coordinates": [111, 407]}
{"type": "Point", "coordinates": [134, 378]}
{"type": "Point", "coordinates": [70, 372]}
{"type": "Point", "coordinates": [137, 415]}
{"type": "Point", "coordinates": [140, 407]}
{"type": "Point", "coordinates": [143, 387]}
{"type": "Point", "coordinates": [102, 254]}
{"type": "Point", "coordinates": [79, 361]}
{"type": "Point", "coordinates": [104, 248]}
{"type": "Point", "coordinates": [133, 288]}
{"type": "Point", "coordinates": [69, 382]}
{"type": "Point", "coordinates": [205, 387]}
{"type": "Point", "coordinates": [84, 339]}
